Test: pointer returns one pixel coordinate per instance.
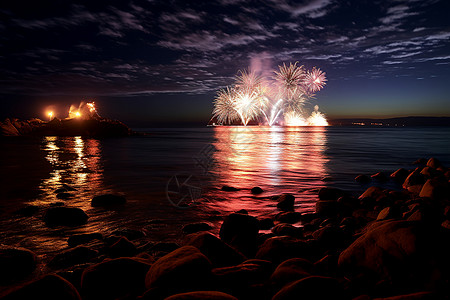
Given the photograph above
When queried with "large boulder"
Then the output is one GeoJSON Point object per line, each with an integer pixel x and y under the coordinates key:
{"type": "Point", "coordinates": [15, 263]}
{"type": "Point", "coordinates": [311, 288]}
{"type": "Point", "coordinates": [107, 200]}
{"type": "Point", "coordinates": [219, 253]}
{"type": "Point", "coordinates": [414, 179]}
{"type": "Point", "coordinates": [433, 163]}
{"type": "Point", "coordinates": [400, 175]}
{"type": "Point", "coordinates": [116, 278]}
{"type": "Point", "coordinates": [397, 251]}
{"type": "Point", "coordinates": [65, 216]}
{"type": "Point", "coordinates": [196, 227]}
{"type": "Point", "coordinates": [281, 248]}
{"type": "Point", "coordinates": [202, 295]}
{"type": "Point", "coordinates": [240, 231]}
{"type": "Point", "coordinates": [50, 287]}
{"type": "Point", "coordinates": [291, 270]}
{"type": "Point", "coordinates": [236, 280]}
{"type": "Point", "coordinates": [185, 269]}
{"type": "Point", "coordinates": [435, 189]}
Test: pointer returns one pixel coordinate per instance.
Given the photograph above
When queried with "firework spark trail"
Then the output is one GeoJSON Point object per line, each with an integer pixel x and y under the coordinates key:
{"type": "Point", "coordinates": [315, 80]}
{"type": "Point", "coordinates": [224, 106]}
{"type": "Point", "coordinates": [252, 97]}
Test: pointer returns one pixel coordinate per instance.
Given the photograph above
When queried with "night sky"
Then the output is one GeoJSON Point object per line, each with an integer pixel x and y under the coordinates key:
{"type": "Point", "coordinates": [154, 61]}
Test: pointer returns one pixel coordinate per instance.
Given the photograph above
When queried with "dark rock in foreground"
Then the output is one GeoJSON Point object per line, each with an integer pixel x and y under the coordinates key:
{"type": "Point", "coordinates": [15, 263]}
{"type": "Point", "coordinates": [66, 216]}
{"type": "Point", "coordinates": [50, 287]}
{"type": "Point", "coordinates": [116, 278]}
{"type": "Point", "coordinates": [98, 127]}
{"type": "Point", "coordinates": [183, 270]}
{"type": "Point", "coordinates": [108, 200]}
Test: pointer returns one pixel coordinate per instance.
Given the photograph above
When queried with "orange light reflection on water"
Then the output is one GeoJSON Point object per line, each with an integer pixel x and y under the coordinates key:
{"type": "Point", "coordinates": [75, 161]}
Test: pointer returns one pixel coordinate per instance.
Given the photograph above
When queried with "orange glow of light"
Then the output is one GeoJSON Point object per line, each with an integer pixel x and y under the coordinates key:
{"type": "Point", "coordinates": [50, 114]}
{"type": "Point", "coordinates": [91, 106]}
{"type": "Point", "coordinates": [77, 114]}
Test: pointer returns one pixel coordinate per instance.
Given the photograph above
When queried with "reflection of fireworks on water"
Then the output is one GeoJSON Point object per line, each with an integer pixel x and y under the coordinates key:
{"type": "Point", "coordinates": [251, 97]}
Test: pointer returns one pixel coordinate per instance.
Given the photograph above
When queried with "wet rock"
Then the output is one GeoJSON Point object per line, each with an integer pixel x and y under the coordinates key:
{"type": "Point", "coordinates": [257, 190]}
{"type": "Point", "coordinates": [446, 224]}
{"type": "Point", "coordinates": [327, 265]}
{"type": "Point", "coordinates": [66, 216]}
{"type": "Point", "coordinates": [400, 175]}
{"type": "Point", "coordinates": [414, 179]}
{"type": "Point", "coordinates": [71, 257]}
{"type": "Point", "coordinates": [281, 248]}
{"type": "Point", "coordinates": [79, 239]}
{"type": "Point", "coordinates": [434, 163]}
{"type": "Point", "coordinates": [131, 234]}
{"type": "Point", "coordinates": [236, 279]}
{"type": "Point", "coordinates": [414, 296]}
{"type": "Point", "coordinates": [380, 176]}
{"type": "Point", "coordinates": [286, 202]}
{"type": "Point", "coordinates": [219, 253]}
{"type": "Point", "coordinates": [265, 223]}
{"type": "Point", "coordinates": [388, 213]}
{"type": "Point", "coordinates": [331, 194]}
{"type": "Point", "coordinates": [108, 200]}
{"type": "Point", "coordinates": [50, 287]}
{"type": "Point", "coordinates": [313, 287]}
{"type": "Point", "coordinates": [391, 250]}
{"type": "Point", "coordinates": [429, 172]}
{"type": "Point", "coordinates": [326, 208]}
{"type": "Point", "coordinates": [122, 248]}
{"type": "Point", "coordinates": [185, 269]}
{"type": "Point", "coordinates": [290, 217]}
{"type": "Point", "coordinates": [362, 179]}
{"type": "Point", "coordinates": [114, 279]}
{"type": "Point", "coordinates": [202, 295]}
{"type": "Point", "coordinates": [240, 231]}
{"type": "Point", "coordinates": [28, 210]}
{"type": "Point", "coordinates": [64, 196]}
{"type": "Point", "coordinates": [331, 237]}
{"type": "Point", "coordinates": [420, 161]}
{"type": "Point", "coordinates": [373, 192]}
{"type": "Point", "coordinates": [196, 227]}
{"type": "Point", "coordinates": [287, 229]}
{"type": "Point", "coordinates": [228, 188]}
{"type": "Point", "coordinates": [291, 270]}
{"type": "Point", "coordinates": [15, 263]}
{"type": "Point", "coordinates": [435, 189]}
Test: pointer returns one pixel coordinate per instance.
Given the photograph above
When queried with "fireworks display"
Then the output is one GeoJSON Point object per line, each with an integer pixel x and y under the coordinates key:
{"type": "Point", "coordinates": [278, 100]}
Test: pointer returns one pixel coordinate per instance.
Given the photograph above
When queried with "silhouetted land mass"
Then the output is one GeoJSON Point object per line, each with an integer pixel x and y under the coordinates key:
{"type": "Point", "coordinates": [97, 127]}
{"type": "Point", "coordinates": [392, 122]}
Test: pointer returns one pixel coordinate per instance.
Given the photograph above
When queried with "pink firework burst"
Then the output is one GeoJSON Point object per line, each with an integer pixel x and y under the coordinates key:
{"type": "Point", "coordinates": [315, 80]}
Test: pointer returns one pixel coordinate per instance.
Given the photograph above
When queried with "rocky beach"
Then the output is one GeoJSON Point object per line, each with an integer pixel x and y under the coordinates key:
{"type": "Point", "coordinates": [381, 244]}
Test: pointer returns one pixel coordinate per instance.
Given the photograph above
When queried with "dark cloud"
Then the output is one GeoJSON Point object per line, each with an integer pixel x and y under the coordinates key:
{"type": "Point", "coordinates": [135, 48]}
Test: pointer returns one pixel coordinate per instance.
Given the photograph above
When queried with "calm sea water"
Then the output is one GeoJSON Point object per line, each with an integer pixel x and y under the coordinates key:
{"type": "Point", "coordinates": [168, 169]}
